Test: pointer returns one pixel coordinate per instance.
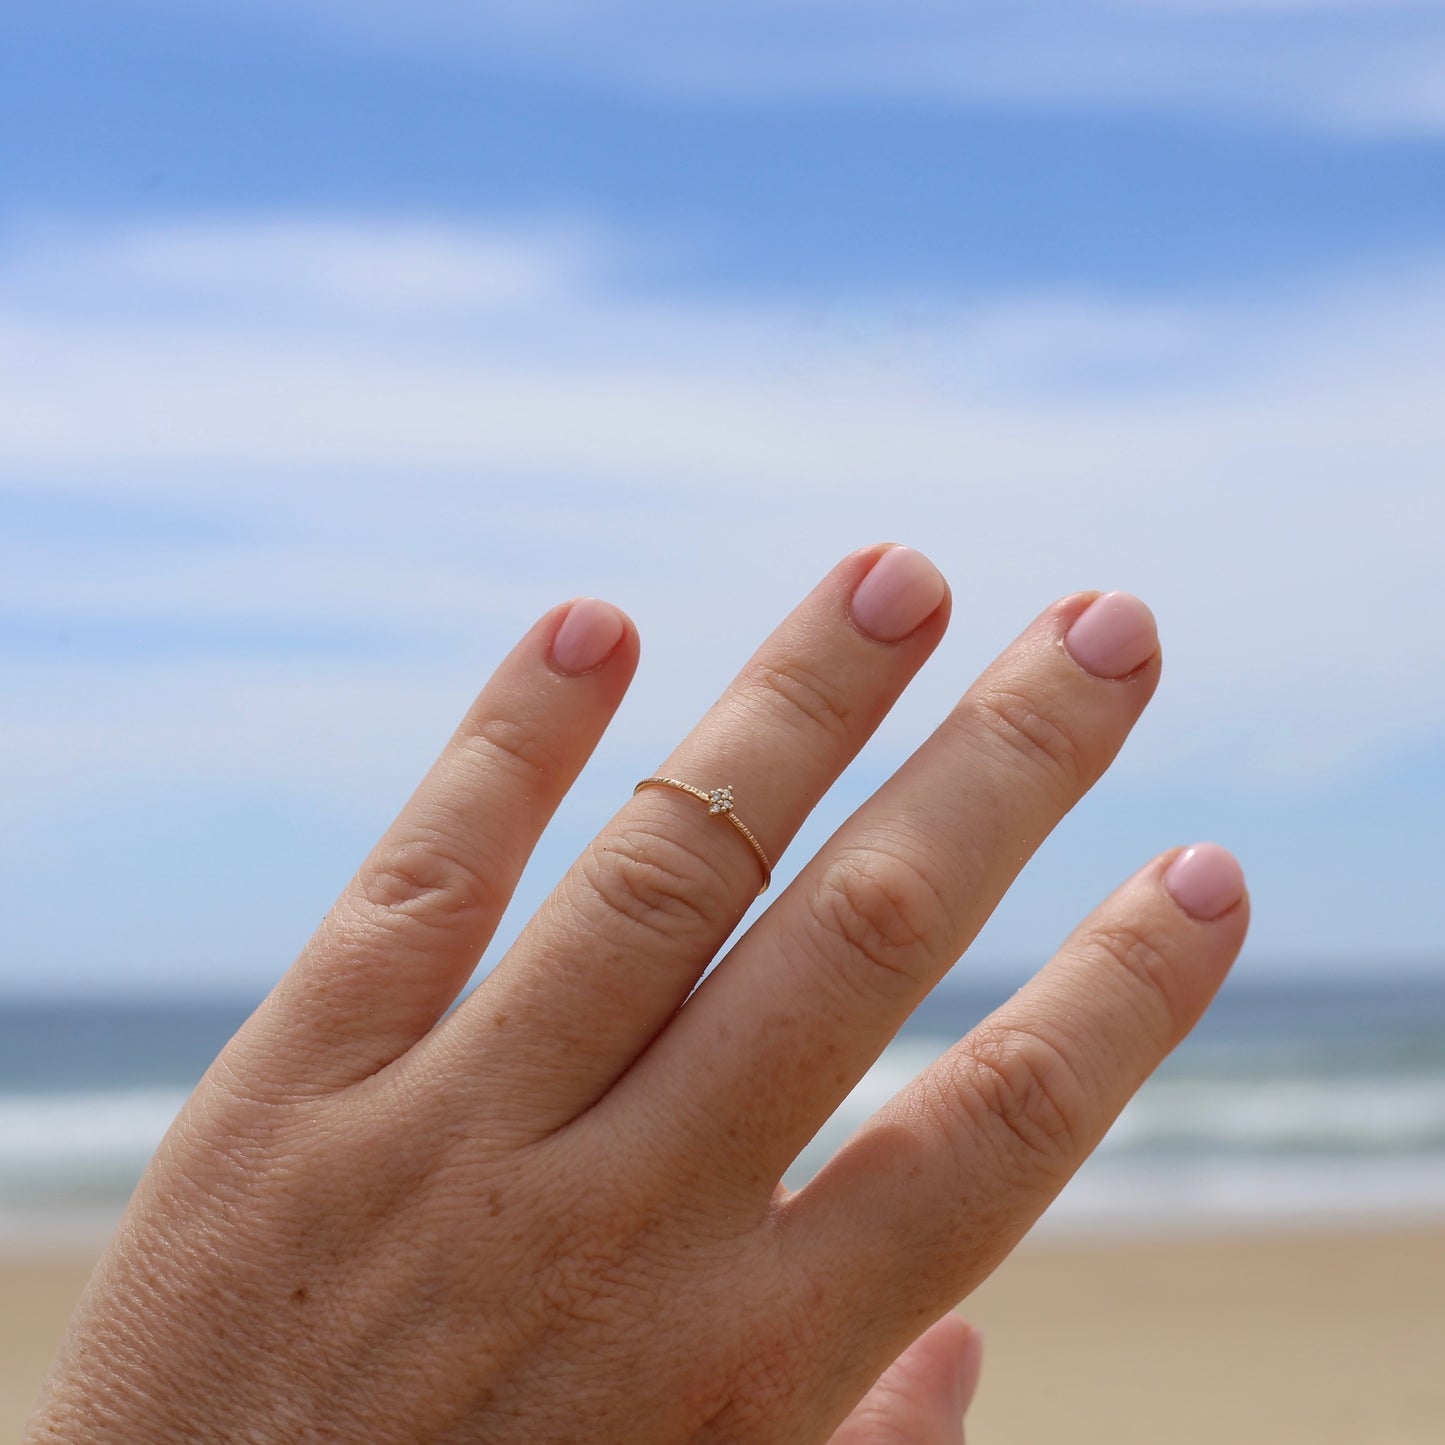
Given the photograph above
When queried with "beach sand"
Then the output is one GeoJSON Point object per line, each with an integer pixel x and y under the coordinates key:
{"type": "Point", "coordinates": [1280, 1340]}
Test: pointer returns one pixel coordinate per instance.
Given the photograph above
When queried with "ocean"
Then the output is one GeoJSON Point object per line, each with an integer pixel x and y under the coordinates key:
{"type": "Point", "coordinates": [1290, 1106]}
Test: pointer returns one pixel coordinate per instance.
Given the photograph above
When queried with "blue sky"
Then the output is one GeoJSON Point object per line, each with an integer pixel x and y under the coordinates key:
{"type": "Point", "coordinates": [337, 341]}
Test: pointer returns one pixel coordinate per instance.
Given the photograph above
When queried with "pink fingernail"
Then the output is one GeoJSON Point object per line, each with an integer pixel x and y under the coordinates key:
{"type": "Point", "coordinates": [899, 593]}
{"type": "Point", "coordinates": [587, 636]}
{"type": "Point", "coordinates": [1114, 635]}
{"type": "Point", "coordinates": [1205, 881]}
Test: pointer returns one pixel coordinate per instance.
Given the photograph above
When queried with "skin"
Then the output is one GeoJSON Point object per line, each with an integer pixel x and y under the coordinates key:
{"type": "Point", "coordinates": [555, 1214]}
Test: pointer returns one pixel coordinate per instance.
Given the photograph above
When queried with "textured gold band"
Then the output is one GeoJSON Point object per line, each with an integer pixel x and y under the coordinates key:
{"type": "Point", "coordinates": [720, 804]}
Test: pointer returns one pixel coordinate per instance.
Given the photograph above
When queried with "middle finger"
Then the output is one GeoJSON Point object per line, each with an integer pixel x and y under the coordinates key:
{"type": "Point", "coordinates": [777, 1037]}
{"type": "Point", "coordinates": [620, 943]}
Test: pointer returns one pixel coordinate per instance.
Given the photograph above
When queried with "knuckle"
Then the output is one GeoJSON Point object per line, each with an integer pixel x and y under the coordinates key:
{"type": "Point", "coordinates": [806, 695]}
{"type": "Point", "coordinates": [1019, 1090]}
{"type": "Point", "coordinates": [1033, 734]}
{"type": "Point", "coordinates": [422, 882]}
{"type": "Point", "coordinates": [515, 746]}
{"type": "Point", "coordinates": [883, 924]}
{"type": "Point", "coordinates": [656, 883]}
{"type": "Point", "coordinates": [1142, 959]}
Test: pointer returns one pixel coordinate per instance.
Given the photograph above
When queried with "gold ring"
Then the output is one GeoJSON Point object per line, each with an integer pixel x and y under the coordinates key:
{"type": "Point", "coordinates": [720, 805]}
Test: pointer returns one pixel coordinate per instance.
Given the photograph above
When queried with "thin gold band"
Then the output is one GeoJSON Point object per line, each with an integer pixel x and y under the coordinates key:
{"type": "Point", "coordinates": [720, 804]}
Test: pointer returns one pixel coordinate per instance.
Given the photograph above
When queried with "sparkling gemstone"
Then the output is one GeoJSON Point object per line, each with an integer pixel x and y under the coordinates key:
{"type": "Point", "coordinates": [720, 800]}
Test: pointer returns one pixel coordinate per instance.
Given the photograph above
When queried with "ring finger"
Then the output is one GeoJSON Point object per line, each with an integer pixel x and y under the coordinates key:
{"type": "Point", "coordinates": [612, 954]}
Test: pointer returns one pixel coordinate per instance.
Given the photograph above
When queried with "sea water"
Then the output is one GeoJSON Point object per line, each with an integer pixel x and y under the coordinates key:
{"type": "Point", "coordinates": [1288, 1106]}
{"type": "Point", "coordinates": [1306, 1104]}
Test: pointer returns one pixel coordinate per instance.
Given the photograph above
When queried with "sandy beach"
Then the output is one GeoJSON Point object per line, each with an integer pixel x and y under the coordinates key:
{"type": "Point", "coordinates": [1280, 1340]}
{"type": "Point", "coordinates": [1321, 1339]}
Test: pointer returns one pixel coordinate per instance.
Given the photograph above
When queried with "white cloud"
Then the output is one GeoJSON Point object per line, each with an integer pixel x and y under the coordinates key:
{"type": "Point", "coordinates": [380, 270]}
{"type": "Point", "coordinates": [1369, 63]}
{"type": "Point", "coordinates": [1266, 470]}
{"type": "Point", "coordinates": [405, 268]}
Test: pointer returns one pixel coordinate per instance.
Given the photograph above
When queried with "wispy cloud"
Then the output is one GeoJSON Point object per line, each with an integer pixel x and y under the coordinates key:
{"type": "Point", "coordinates": [429, 476]}
{"type": "Point", "coordinates": [1357, 63]}
{"type": "Point", "coordinates": [381, 270]}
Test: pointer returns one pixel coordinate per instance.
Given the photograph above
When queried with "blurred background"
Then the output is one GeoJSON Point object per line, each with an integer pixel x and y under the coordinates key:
{"type": "Point", "coordinates": [338, 341]}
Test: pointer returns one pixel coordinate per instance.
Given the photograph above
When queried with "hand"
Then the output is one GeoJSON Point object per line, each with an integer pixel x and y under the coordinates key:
{"type": "Point", "coordinates": [554, 1215]}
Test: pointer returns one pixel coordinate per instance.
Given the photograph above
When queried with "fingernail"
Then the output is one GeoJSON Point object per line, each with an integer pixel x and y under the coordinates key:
{"type": "Point", "coordinates": [1114, 635]}
{"type": "Point", "coordinates": [589, 632]}
{"type": "Point", "coordinates": [900, 591]}
{"type": "Point", "coordinates": [1205, 881]}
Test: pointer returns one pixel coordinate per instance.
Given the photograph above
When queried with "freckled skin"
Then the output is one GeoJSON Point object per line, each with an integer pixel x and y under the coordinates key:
{"type": "Point", "coordinates": [555, 1212]}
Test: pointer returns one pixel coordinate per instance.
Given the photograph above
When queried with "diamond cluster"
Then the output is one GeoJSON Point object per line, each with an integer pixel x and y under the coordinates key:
{"type": "Point", "coordinates": [720, 800]}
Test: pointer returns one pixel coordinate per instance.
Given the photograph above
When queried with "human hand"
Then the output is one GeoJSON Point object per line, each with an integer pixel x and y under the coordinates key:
{"type": "Point", "coordinates": [555, 1215]}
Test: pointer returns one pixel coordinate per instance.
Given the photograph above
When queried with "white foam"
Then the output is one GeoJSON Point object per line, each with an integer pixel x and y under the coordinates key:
{"type": "Point", "coordinates": [45, 1128]}
{"type": "Point", "coordinates": [1195, 1150]}
{"type": "Point", "coordinates": [1367, 1114]}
